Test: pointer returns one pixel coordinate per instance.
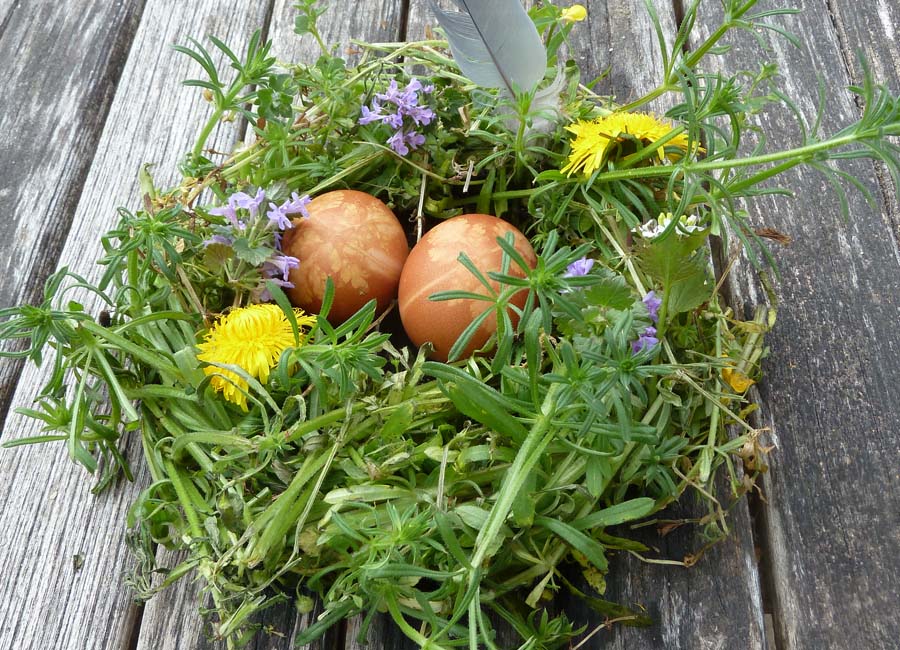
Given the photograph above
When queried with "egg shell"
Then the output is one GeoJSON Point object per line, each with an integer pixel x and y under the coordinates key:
{"type": "Point", "coordinates": [353, 238]}
{"type": "Point", "coordinates": [433, 266]}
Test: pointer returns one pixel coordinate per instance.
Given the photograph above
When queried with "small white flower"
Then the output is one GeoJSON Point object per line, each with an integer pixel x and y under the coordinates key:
{"type": "Point", "coordinates": [687, 225]}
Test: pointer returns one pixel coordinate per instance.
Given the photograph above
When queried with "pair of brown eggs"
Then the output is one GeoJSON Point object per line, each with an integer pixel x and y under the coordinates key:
{"type": "Point", "coordinates": [357, 241]}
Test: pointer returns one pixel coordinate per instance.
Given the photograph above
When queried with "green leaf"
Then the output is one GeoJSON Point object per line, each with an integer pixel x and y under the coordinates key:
{"type": "Point", "coordinates": [253, 255]}
{"type": "Point", "coordinates": [523, 506]}
{"type": "Point", "coordinates": [477, 400]}
{"type": "Point", "coordinates": [612, 291]}
{"type": "Point", "coordinates": [399, 421]}
{"type": "Point", "coordinates": [589, 548]}
{"type": "Point", "coordinates": [617, 514]}
{"type": "Point", "coordinates": [301, 25]}
{"type": "Point", "coordinates": [667, 258]}
{"type": "Point", "coordinates": [365, 493]}
{"type": "Point", "coordinates": [692, 289]}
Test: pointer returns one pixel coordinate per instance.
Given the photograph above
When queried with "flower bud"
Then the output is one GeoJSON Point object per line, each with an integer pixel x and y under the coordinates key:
{"type": "Point", "coordinates": [574, 14]}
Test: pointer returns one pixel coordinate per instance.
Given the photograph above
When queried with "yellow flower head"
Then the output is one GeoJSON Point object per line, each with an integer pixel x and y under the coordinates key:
{"type": "Point", "coordinates": [252, 338]}
{"type": "Point", "coordinates": [594, 140]}
{"type": "Point", "coordinates": [573, 14]}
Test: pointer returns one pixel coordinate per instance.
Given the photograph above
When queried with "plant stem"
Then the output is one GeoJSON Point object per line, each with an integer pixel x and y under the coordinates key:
{"type": "Point", "coordinates": [526, 458]}
{"type": "Point", "coordinates": [793, 156]}
{"type": "Point", "coordinates": [227, 101]}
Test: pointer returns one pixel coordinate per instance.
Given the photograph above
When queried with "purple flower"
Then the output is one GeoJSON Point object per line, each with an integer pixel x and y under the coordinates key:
{"type": "Point", "coordinates": [394, 120]}
{"type": "Point", "coordinates": [579, 268]}
{"type": "Point", "coordinates": [652, 303]}
{"type": "Point", "coordinates": [392, 94]}
{"type": "Point", "coordinates": [403, 141]}
{"type": "Point", "coordinates": [646, 340]}
{"type": "Point", "coordinates": [397, 144]}
{"type": "Point", "coordinates": [369, 116]}
{"type": "Point", "coordinates": [407, 110]}
{"type": "Point", "coordinates": [421, 115]}
{"type": "Point", "coordinates": [218, 239]}
{"type": "Point", "coordinates": [297, 204]}
{"type": "Point", "coordinates": [413, 139]}
{"type": "Point", "coordinates": [247, 202]}
{"type": "Point", "coordinates": [278, 217]}
{"type": "Point", "coordinates": [280, 265]}
{"type": "Point", "coordinates": [278, 214]}
{"type": "Point", "coordinates": [229, 212]}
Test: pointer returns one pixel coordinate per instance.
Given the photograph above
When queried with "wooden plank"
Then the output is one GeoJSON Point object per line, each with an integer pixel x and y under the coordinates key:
{"type": "Point", "coordinates": [830, 382]}
{"type": "Point", "coordinates": [873, 33]}
{"type": "Point", "coordinates": [52, 602]}
{"type": "Point", "coordinates": [873, 30]}
{"type": "Point", "coordinates": [6, 10]}
{"type": "Point", "coordinates": [171, 620]}
{"type": "Point", "coordinates": [63, 60]}
{"type": "Point", "coordinates": [345, 20]}
{"type": "Point", "coordinates": [714, 605]}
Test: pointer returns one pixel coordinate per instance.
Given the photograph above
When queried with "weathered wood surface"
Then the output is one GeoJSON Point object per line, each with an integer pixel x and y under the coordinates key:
{"type": "Point", "coordinates": [831, 528]}
{"type": "Point", "coordinates": [48, 515]}
{"type": "Point", "coordinates": [60, 71]}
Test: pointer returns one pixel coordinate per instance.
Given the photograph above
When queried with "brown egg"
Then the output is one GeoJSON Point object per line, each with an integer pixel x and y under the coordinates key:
{"type": "Point", "coordinates": [354, 239]}
{"type": "Point", "coordinates": [432, 266]}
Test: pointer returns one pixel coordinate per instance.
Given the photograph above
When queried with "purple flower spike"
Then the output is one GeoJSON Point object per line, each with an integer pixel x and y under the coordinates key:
{"type": "Point", "coordinates": [579, 268]}
{"type": "Point", "coordinates": [646, 340]}
{"type": "Point", "coordinates": [652, 303]}
{"type": "Point", "coordinates": [407, 113]}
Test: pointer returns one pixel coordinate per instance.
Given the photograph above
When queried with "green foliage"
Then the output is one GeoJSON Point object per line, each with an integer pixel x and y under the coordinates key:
{"type": "Point", "coordinates": [379, 480]}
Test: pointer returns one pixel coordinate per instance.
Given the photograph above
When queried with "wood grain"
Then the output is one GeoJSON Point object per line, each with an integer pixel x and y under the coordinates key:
{"type": "Point", "coordinates": [346, 20]}
{"type": "Point", "coordinates": [873, 34]}
{"type": "Point", "coordinates": [831, 526]}
{"type": "Point", "coordinates": [62, 62]}
{"type": "Point", "coordinates": [50, 517]}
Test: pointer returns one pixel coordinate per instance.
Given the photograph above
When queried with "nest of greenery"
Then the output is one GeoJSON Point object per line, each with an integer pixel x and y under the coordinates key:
{"type": "Point", "coordinates": [343, 463]}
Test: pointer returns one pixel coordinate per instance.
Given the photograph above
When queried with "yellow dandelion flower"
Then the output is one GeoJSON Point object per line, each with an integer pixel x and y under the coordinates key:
{"type": "Point", "coordinates": [252, 338]}
{"type": "Point", "coordinates": [573, 14]}
{"type": "Point", "coordinates": [594, 140]}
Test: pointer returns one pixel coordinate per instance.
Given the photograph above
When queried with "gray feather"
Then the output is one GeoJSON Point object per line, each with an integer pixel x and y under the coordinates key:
{"type": "Point", "coordinates": [494, 43]}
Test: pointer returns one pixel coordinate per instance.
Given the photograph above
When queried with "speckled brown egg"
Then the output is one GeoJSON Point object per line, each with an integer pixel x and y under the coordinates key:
{"type": "Point", "coordinates": [354, 239]}
{"type": "Point", "coordinates": [433, 266]}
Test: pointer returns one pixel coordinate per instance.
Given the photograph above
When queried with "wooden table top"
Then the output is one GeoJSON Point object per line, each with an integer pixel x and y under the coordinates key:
{"type": "Point", "coordinates": [90, 90]}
